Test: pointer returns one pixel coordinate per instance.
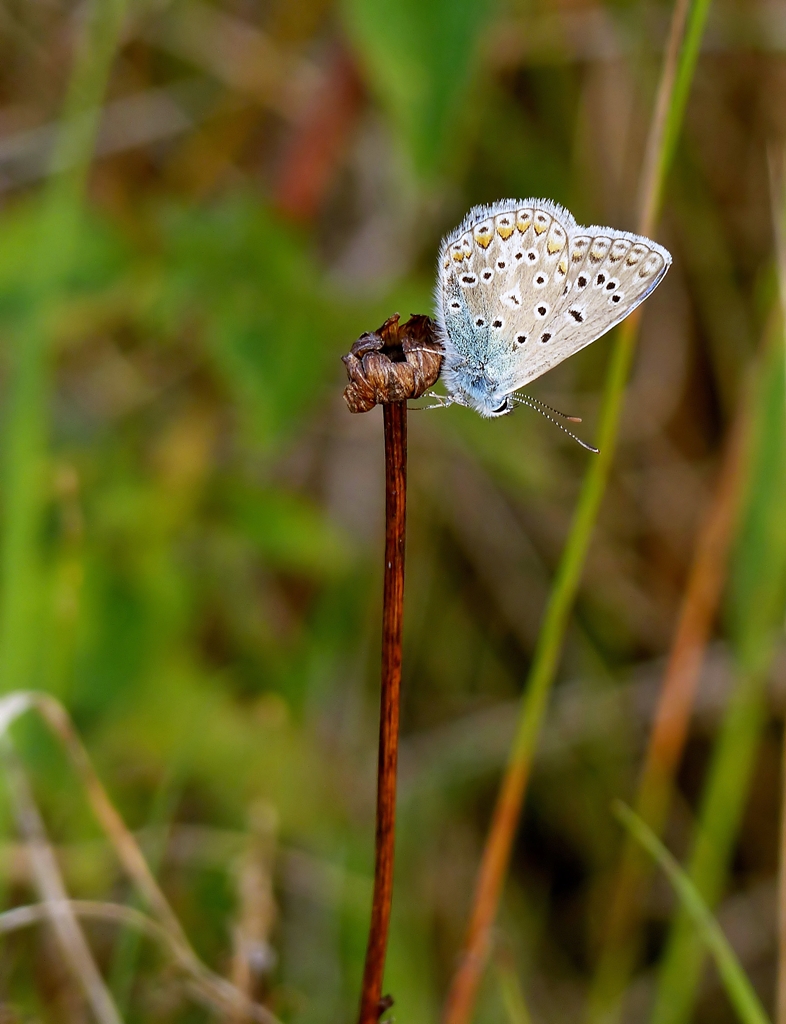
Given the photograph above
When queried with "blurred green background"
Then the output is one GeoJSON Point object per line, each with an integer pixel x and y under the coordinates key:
{"type": "Point", "coordinates": [202, 205]}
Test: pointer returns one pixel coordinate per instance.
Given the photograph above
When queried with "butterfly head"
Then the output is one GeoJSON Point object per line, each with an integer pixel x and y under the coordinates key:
{"type": "Point", "coordinates": [502, 409]}
{"type": "Point", "coordinates": [475, 391]}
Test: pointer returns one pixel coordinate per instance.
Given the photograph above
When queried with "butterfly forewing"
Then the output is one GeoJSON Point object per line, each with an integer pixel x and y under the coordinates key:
{"type": "Point", "coordinates": [522, 287]}
{"type": "Point", "coordinates": [617, 271]}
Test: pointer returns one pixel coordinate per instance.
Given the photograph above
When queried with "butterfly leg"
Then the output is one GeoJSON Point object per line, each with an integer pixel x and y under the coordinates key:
{"type": "Point", "coordinates": [439, 402]}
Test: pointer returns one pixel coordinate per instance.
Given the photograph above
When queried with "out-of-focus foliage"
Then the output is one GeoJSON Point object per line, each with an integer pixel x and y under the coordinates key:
{"type": "Point", "coordinates": [203, 589]}
{"type": "Point", "coordinates": [420, 57]}
{"type": "Point", "coordinates": [757, 592]}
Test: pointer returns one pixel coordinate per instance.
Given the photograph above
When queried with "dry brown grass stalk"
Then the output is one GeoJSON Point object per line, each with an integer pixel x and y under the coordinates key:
{"type": "Point", "coordinates": [674, 708]}
{"type": "Point", "coordinates": [55, 906]}
{"type": "Point", "coordinates": [212, 986]}
{"type": "Point", "coordinates": [257, 911]}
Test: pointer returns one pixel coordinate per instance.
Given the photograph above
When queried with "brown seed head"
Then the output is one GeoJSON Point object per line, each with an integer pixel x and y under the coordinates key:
{"type": "Point", "coordinates": [393, 363]}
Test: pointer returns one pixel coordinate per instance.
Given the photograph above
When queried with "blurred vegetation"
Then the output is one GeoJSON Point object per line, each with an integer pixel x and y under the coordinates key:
{"type": "Point", "coordinates": [203, 205]}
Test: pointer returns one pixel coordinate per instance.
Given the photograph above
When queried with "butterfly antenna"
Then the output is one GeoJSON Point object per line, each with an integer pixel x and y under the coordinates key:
{"type": "Point", "coordinates": [544, 405]}
{"type": "Point", "coordinates": [522, 400]}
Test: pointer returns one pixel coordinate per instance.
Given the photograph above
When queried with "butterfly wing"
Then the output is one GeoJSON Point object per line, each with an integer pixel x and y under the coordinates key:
{"type": "Point", "coordinates": [502, 274]}
{"type": "Point", "coordinates": [610, 273]}
{"type": "Point", "coordinates": [521, 287]}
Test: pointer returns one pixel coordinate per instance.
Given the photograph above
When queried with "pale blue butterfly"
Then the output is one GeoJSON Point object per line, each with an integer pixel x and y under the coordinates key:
{"type": "Point", "coordinates": [521, 286]}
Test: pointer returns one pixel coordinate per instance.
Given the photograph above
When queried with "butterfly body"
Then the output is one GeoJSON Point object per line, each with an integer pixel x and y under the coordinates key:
{"type": "Point", "coordinates": [521, 286]}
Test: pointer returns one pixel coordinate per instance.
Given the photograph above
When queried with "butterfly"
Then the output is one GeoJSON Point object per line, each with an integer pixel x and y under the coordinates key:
{"type": "Point", "coordinates": [521, 286]}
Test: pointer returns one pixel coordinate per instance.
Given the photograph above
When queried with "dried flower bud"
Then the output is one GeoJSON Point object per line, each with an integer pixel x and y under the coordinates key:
{"type": "Point", "coordinates": [393, 363]}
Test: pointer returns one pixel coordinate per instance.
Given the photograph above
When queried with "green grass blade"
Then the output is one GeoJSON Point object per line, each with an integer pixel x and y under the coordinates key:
{"type": "Point", "coordinates": [735, 981]}
{"type": "Point", "coordinates": [425, 88]}
{"type": "Point", "coordinates": [512, 996]}
{"type": "Point", "coordinates": [778, 192]}
{"type": "Point", "coordinates": [24, 439]}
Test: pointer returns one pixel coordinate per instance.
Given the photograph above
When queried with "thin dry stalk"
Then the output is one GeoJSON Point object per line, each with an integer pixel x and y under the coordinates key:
{"type": "Point", "coordinates": [679, 60]}
{"type": "Point", "coordinates": [675, 706]}
{"type": "Point", "coordinates": [661, 141]}
{"type": "Point", "coordinates": [51, 888]}
{"type": "Point", "coordinates": [213, 986]}
{"type": "Point", "coordinates": [372, 1005]}
{"type": "Point", "coordinates": [697, 615]}
{"type": "Point", "coordinates": [96, 910]}
{"type": "Point", "coordinates": [256, 902]}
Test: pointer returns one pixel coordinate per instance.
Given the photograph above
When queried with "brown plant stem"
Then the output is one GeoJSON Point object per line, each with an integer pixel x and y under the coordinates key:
{"type": "Point", "coordinates": [372, 1005]}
